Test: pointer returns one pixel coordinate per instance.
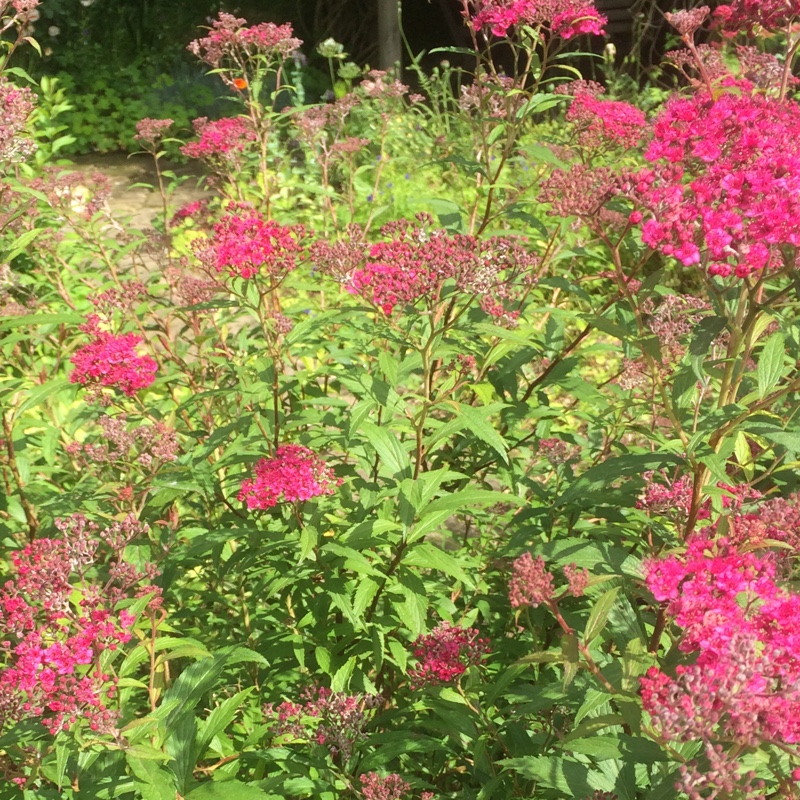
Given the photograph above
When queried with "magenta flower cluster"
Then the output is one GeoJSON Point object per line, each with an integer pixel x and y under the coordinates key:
{"type": "Point", "coordinates": [247, 243]}
{"type": "Point", "coordinates": [219, 139]}
{"type": "Point", "coordinates": [445, 654]}
{"type": "Point", "coordinates": [564, 18]}
{"type": "Point", "coordinates": [725, 188]}
{"type": "Point", "coordinates": [742, 15]}
{"type": "Point", "coordinates": [603, 122]}
{"type": "Point", "coordinates": [744, 629]}
{"type": "Point", "coordinates": [56, 623]}
{"type": "Point", "coordinates": [293, 475]}
{"type": "Point", "coordinates": [416, 264]}
{"type": "Point", "coordinates": [111, 360]}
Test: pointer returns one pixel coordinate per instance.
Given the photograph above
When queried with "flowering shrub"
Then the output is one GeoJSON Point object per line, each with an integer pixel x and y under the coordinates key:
{"type": "Point", "coordinates": [540, 538]}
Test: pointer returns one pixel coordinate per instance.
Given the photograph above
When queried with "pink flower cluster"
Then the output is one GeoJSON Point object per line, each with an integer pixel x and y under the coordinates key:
{"type": "Point", "coordinates": [220, 139]}
{"type": "Point", "coordinates": [56, 622]}
{"type": "Point", "coordinates": [246, 243]}
{"type": "Point", "coordinates": [564, 18]}
{"type": "Point", "coordinates": [726, 186]}
{"type": "Point", "coordinates": [230, 40]}
{"type": "Point", "coordinates": [111, 360]}
{"type": "Point", "coordinates": [532, 584]}
{"type": "Point", "coordinates": [742, 15]}
{"type": "Point", "coordinates": [445, 654]}
{"type": "Point", "coordinates": [293, 475]}
{"type": "Point", "coordinates": [151, 131]}
{"type": "Point", "coordinates": [334, 719]}
{"type": "Point", "coordinates": [605, 122]}
{"type": "Point", "coordinates": [377, 787]}
{"type": "Point", "coordinates": [744, 686]}
{"type": "Point", "coordinates": [16, 105]}
{"type": "Point", "coordinates": [143, 444]}
{"type": "Point", "coordinates": [417, 265]}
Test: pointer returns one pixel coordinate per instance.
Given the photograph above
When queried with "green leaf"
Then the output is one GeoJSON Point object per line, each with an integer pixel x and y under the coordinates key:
{"type": "Point", "coordinates": [388, 448]}
{"type": "Point", "coordinates": [427, 556]}
{"type": "Point", "coordinates": [477, 420]}
{"type": "Point", "coordinates": [555, 772]}
{"type": "Point", "coordinates": [227, 790]}
{"type": "Point", "coordinates": [599, 616]}
{"type": "Point", "coordinates": [153, 781]}
{"type": "Point", "coordinates": [218, 720]}
{"type": "Point", "coordinates": [770, 364]}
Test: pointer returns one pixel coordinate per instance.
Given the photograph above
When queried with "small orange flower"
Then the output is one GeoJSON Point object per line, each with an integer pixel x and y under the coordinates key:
{"type": "Point", "coordinates": [240, 83]}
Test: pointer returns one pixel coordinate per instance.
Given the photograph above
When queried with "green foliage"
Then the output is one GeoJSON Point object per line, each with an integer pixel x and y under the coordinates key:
{"type": "Point", "coordinates": [457, 439]}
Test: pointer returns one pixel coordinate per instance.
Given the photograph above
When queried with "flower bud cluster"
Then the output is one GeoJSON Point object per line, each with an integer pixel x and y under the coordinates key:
{"type": "Point", "coordinates": [416, 264]}
{"type": "Point", "coordinates": [229, 41]}
{"type": "Point", "coordinates": [335, 720]}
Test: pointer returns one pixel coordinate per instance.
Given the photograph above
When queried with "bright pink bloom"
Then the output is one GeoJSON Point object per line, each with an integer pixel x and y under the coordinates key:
{"type": "Point", "coordinates": [745, 630]}
{"type": "Point", "coordinates": [220, 139]}
{"type": "Point", "coordinates": [111, 360]}
{"type": "Point", "coordinates": [606, 121]}
{"type": "Point", "coordinates": [51, 644]}
{"type": "Point", "coordinates": [294, 474]}
{"type": "Point", "coordinates": [246, 244]}
{"type": "Point", "coordinates": [726, 185]}
{"type": "Point", "coordinates": [564, 18]}
{"type": "Point", "coordinates": [445, 654]}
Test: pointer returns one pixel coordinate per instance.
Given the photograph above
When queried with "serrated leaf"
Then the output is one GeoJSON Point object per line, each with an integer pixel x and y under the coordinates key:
{"type": "Point", "coordinates": [770, 364]}
{"type": "Point", "coordinates": [427, 556]}
{"type": "Point", "coordinates": [599, 615]}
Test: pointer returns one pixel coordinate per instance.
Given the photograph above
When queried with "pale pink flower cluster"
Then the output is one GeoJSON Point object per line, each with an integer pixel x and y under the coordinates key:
{"type": "Point", "coordinates": [378, 787]}
{"type": "Point", "coordinates": [725, 188]}
{"type": "Point", "coordinates": [564, 18]}
{"type": "Point", "coordinates": [246, 243]}
{"type": "Point", "coordinates": [230, 40]}
{"type": "Point", "coordinates": [293, 475]}
{"type": "Point", "coordinates": [532, 583]}
{"type": "Point", "coordinates": [446, 653]}
{"type": "Point", "coordinates": [151, 131]}
{"type": "Point", "coordinates": [110, 360]}
{"type": "Point", "coordinates": [16, 106]}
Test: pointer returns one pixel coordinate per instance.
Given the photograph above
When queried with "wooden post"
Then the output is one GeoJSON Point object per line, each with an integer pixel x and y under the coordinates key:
{"type": "Point", "coordinates": [390, 53]}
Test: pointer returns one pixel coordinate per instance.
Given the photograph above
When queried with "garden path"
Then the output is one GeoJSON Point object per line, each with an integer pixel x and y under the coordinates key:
{"type": "Point", "coordinates": [141, 203]}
